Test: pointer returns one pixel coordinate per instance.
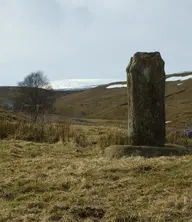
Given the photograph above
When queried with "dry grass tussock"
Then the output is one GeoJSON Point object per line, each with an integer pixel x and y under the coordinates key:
{"type": "Point", "coordinates": [58, 173]}
{"type": "Point", "coordinates": [81, 135]}
{"type": "Point", "coordinates": [50, 133]}
{"type": "Point", "coordinates": [119, 136]}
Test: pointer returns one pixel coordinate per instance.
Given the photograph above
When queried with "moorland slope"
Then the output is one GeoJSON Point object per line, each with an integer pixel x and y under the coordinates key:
{"type": "Point", "coordinates": [111, 103]}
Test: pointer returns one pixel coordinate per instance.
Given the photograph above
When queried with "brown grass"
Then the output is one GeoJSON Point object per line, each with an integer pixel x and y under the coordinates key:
{"type": "Point", "coordinates": [57, 182]}
{"type": "Point", "coordinates": [65, 177]}
{"type": "Point", "coordinates": [58, 132]}
{"type": "Point", "coordinates": [10, 116]}
{"type": "Point", "coordinates": [49, 133]}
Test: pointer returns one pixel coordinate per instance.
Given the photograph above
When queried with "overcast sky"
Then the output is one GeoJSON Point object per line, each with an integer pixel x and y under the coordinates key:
{"type": "Point", "coordinates": [91, 38]}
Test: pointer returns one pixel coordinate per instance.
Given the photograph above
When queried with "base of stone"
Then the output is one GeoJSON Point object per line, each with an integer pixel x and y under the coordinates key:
{"type": "Point", "coordinates": [118, 151]}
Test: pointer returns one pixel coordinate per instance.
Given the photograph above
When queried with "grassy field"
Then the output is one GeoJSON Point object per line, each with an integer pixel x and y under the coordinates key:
{"type": "Point", "coordinates": [57, 172]}
{"type": "Point", "coordinates": [65, 182]}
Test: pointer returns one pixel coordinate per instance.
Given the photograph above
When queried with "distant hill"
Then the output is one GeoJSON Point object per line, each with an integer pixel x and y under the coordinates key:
{"type": "Point", "coordinates": [9, 95]}
{"type": "Point", "coordinates": [110, 101]}
{"type": "Point", "coordinates": [104, 102]}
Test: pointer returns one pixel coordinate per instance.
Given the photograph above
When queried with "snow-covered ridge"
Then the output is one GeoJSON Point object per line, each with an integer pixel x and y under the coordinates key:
{"type": "Point", "coordinates": [69, 84]}
{"type": "Point", "coordinates": [72, 84]}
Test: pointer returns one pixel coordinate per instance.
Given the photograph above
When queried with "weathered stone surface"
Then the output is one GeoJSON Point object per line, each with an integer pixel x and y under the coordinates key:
{"type": "Point", "coordinates": [146, 104]}
{"type": "Point", "coordinates": [119, 151]}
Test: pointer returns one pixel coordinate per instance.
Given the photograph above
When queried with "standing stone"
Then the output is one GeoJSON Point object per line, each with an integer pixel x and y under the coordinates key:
{"type": "Point", "coordinates": [146, 99]}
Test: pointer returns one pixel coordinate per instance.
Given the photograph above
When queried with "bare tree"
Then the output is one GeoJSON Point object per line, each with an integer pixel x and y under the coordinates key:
{"type": "Point", "coordinates": [36, 95]}
{"type": "Point", "coordinates": [36, 80]}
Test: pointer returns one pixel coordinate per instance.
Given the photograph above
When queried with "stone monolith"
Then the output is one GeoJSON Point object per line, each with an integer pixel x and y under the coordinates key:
{"type": "Point", "coordinates": [146, 99]}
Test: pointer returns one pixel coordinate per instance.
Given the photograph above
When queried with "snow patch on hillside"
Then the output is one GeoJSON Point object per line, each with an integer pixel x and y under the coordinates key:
{"type": "Point", "coordinates": [116, 86]}
{"type": "Point", "coordinates": [173, 78]}
{"type": "Point", "coordinates": [178, 78]}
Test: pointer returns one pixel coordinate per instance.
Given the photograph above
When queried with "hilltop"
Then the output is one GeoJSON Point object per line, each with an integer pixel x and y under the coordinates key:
{"type": "Point", "coordinates": [106, 102]}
